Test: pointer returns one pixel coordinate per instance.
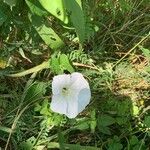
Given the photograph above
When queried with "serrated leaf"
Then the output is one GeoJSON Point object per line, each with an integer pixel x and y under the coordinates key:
{"type": "Point", "coordinates": [56, 8]}
{"type": "Point", "coordinates": [36, 7]}
{"type": "Point", "coordinates": [46, 33]}
{"type": "Point", "coordinates": [64, 62]}
{"type": "Point", "coordinates": [77, 17]}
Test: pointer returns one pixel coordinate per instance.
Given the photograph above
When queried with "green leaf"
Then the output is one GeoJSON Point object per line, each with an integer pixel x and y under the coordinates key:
{"type": "Point", "coordinates": [124, 108]}
{"type": "Point", "coordinates": [61, 63]}
{"type": "Point", "coordinates": [27, 145]}
{"type": "Point", "coordinates": [77, 17]}
{"type": "Point", "coordinates": [79, 2]}
{"type": "Point", "coordinates": [56, 8]}
{"type": "Point", "coordinates": [134, 140]}
{"type": "Point", "coordinates": [37, 107]}
{"type": "Point", "coordinates": [46, 32]}
{"type": "Point", "coordinates": [35, 91]}
{"type": "Point", "coordinates": [64, 62]}
{"type": "Point", "coordinates": [125, 6]}
{"type": "Point", "coordinates": [82, 126]}
{"type": "Point", "coordinates": [105, 120]}
{"type": "Point", "coordinates": [104, 130]}
{"type": "Point", "coordinates": [114, 144]}
{"type": "Point", "coordinates": [121, 120]}
{"type": "Point", "coordinates": [55, 65]}
{"type": "Point", "coordinates": [45, 108]}
{"type": "Point", "coordinates": [36, 8]}
{"type": "Point", "coordinates": [147, 121]}
{"type": "Point", "coordinates": [3, 17]}
{"type": "Point", "coordinates": [61, 140]}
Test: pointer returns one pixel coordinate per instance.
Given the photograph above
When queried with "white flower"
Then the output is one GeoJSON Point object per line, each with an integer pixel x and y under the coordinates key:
{"type": "Point", "coordinates": [71, 94]}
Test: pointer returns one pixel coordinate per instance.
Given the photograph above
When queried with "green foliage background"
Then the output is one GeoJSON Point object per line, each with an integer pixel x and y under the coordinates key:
{"type": "Point", "coordinates": [107, 41]}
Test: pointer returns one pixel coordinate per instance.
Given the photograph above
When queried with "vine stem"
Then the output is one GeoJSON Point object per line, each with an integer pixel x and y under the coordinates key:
{"type": "Point", "coordinates": [45, 65]}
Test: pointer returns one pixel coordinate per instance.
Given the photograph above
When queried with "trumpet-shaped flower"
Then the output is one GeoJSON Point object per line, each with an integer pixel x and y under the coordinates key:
{"type": "Point", "coordinates": [71, 94]}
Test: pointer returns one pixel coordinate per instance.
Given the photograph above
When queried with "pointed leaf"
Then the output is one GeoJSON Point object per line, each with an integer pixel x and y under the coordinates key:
{"type": "Point", "coordinates": [46, 33]}
{"type": "Point", "coordinates": [55, 66]}
{"type": "Point", "coordinates": [105, 120]}
{"type": "Point", "coordinates": [64, 62]}
{"type": "Point", "coordinates": [77, 17]}
{"type": "Point", "coordinates": [36, 8]}
{"type": "Point", "coordinates": [56, 8]}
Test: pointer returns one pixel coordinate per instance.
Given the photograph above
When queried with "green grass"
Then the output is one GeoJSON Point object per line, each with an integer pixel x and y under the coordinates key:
{"type": "Point", "coordinates": [115, 59]}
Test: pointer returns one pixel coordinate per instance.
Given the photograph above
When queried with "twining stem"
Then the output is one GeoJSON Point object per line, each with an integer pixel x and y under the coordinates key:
{"type": "Point", "coordinates": [45, 65]}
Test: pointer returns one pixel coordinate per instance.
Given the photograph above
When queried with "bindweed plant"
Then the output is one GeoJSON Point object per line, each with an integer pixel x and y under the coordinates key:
{"type": "Point", "coordinates": [74, 75]}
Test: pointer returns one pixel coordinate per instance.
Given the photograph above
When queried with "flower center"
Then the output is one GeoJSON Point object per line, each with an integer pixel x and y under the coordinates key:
{"type": "Point", "coordinates": [65, 91]}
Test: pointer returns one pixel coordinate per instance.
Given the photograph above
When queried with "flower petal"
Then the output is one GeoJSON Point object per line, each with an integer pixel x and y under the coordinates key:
{"type": "Point", "coordinates": [59, 82]}
{"type": "Point", "coordinates": [72, 107]}
{"type": "Point", "coordinates": [84, 97]}
{"type": "Point", "coordinates": [58, 104]}
{"type": "Point", "coordinates": [77, 97]}
{"type": "Point", "coordinates": [79, 82]}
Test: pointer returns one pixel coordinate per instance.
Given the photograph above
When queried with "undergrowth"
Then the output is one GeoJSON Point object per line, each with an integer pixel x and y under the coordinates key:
{"type": "Point", "coordinates": [114, 57]}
